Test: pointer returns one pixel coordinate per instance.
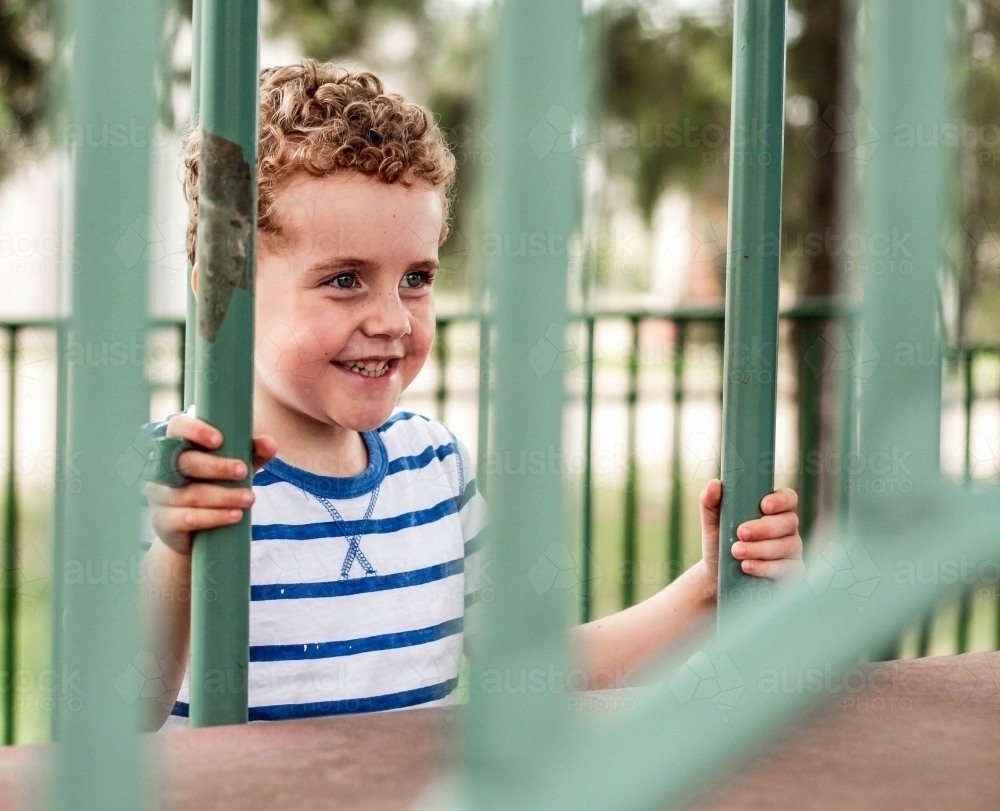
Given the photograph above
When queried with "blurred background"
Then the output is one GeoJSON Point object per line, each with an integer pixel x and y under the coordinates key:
{"type": "Point", "coordinates": [642, 354]}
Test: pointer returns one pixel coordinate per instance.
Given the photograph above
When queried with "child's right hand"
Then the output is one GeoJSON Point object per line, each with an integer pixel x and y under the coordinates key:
{"type": "Point", "coordinates": [178, 512]}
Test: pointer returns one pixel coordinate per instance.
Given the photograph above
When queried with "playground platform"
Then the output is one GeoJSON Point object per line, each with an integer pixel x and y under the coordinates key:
{"type": "Point", "coordinates": [923, 734]}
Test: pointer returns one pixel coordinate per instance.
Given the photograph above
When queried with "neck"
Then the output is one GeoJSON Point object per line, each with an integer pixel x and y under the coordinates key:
{"type": "Point", "coordinates": [324, 448]}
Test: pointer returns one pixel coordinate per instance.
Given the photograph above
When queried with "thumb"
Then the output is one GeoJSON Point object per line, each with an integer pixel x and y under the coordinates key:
{"type": "Point", "coordinates": [264, 450]}
{"type": "Point", "coordinates": [711, 501]}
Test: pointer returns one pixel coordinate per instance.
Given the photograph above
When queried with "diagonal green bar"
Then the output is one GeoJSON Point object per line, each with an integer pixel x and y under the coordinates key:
{"type": "Point", "coordinates": [682, 731]}
{"type": "Point", "coordinates": [751, 332]}
{"type": "Point", "coordinates": [227, 225]}
{"type": "Point", "coordinates": [536, 113]}
{"type": "Point", "coordinates": [95, 694]}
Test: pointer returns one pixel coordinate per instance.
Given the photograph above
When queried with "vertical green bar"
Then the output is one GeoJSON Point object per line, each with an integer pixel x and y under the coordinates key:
{"type": "Point", "coordinates": [507, 732]}
{"type": "Point", "coordinates": [674, 549]}
{"type": "Point", "coordinates": [97, 759]}
{"type": "Point", "coordinates": [749, 384]}
{"type": "Point", "coordinates": [227, 226]}
{"type": "Point", "coordinates": [61, 483]}
{"type": "Point", "coordinates": [483, 403]}
{"type": "Point", "coordinates": [904, 201]}
{"type": "Point", "coordinates": [441, 357]}
{"type": "Point", "coordinates": [630, 552]}
{"type": "Point", "coordinates": [10, 544]}
{"type": "Point", "coordinates": [191, 313]}
{"type": "Point", "coordinates": [808, 402]}
{"type": "Point", "coordinates": [965, 602]}
{"type": "Point", "coordinates": [586, 486]}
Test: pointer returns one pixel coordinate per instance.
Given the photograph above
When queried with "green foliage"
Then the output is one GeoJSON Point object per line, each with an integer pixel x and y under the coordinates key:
{"type": "Point", "coordinates": [329, 29]}
{"type": "Point", "coordinates": [661, 95]}
{"type": "Point", "coordinates": [974, 247]}
{"type": "Point", "coordinates": [23, 100]}
{"type": "Point", "coordinates": [666, 94]}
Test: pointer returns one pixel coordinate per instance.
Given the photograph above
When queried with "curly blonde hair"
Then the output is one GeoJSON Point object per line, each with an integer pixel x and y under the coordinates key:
{"type": "Point", "coordinates": [318, 119]}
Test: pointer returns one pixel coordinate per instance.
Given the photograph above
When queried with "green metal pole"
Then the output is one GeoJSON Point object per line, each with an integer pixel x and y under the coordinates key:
{"type": "Point", "coordinates": [721, 343]}
{"type": "Point", "coordinates": [965, 602]}
{"type": "Point", "coordinates": [808, 401]}
{"type": "Point", "coordinates": [906, 198]}
{"type": "Point", "coordinates": [191, 314]}
{"type": "Point", "coordinates": [441, 356]}
{"type": "Point", "coordinates": [98, 765]}
{"type": "Point", "coordinates": [61, 484]}
{"type": "Point", "coordinates": [227, 226]}
{"type": "Point", "coordinates": [586, 486]}
{"type": "Point", "coordinates": [674, 548]}
{"type": "Point", "coordinates": [507, 732]}
{"type": "Point", "coordinates": [749, 385]}
{"type": "Point", "coordinates": [10, 544]}
{"type": "Point", "coordinates": [630, 552]}
{"type": "Point", "coordinates": [483, 405]}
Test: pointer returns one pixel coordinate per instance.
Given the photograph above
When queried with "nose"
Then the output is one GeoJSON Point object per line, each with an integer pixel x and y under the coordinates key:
{"type": "Point", "coordinates": [387, 318]}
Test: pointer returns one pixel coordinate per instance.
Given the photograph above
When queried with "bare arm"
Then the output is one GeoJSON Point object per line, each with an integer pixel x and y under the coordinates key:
{"type": "Point", "coordinates": [610, 649]}
{"type": "Point", "coordinates": [166, 603]}
{"type": "Point", "coordinates": [176, 514]}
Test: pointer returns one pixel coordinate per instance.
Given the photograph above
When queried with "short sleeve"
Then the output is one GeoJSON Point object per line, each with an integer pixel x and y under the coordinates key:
{"type": "Point", "coordinates": [472, 514]}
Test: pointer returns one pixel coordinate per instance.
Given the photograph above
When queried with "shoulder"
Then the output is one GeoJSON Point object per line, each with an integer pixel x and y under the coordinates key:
{"type": "Point", "coordinates": [407, 432]}
{"type": "Point", "coordinates": [415, 442]}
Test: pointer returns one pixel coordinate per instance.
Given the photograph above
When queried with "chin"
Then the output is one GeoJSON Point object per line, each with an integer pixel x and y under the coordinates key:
{"type": "Point", "coordinates": [367, 421]}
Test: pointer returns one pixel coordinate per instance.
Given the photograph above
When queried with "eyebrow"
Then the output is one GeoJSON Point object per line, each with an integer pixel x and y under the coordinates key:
{"type": "Point", "coordinates": [344, 263]}
{"type": "Point", "coordinates": [364, 265]}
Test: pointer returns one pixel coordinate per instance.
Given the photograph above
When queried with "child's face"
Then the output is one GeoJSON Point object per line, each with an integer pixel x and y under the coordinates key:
{"type": "Point", "coordinates": [345, 308]}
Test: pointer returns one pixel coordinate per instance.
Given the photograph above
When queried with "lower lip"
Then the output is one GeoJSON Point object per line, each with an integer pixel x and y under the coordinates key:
{"type": "Point", "coordinates": [381, 380]}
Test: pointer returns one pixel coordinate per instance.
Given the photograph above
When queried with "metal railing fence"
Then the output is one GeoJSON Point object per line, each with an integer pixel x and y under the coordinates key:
{"type": "Point", "coordinates": [607, 534]}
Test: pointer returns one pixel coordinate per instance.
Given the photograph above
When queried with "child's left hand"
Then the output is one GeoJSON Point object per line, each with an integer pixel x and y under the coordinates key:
{"type": "Point", "coordinates": [768, 546]}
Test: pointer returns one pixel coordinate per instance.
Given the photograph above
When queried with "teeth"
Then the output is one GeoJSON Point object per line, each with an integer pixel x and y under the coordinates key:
{"type": "Point", "coordinates": [368, 369]}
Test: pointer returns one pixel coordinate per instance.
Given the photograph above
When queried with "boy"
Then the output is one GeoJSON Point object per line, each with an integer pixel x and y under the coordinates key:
{"type": "Point", "coordinates": [367, 526]}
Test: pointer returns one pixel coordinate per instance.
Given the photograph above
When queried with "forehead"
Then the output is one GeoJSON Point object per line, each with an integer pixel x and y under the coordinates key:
{"type": "Point", "coordinates": [351, 213]}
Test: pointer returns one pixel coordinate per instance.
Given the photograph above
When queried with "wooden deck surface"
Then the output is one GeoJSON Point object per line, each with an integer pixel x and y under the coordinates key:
{"type": "Point", "coordinates": [926, 735]}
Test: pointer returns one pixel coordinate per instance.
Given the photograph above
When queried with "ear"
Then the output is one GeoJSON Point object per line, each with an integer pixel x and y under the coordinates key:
{"type": "Point", "coordinates": [194, 277]}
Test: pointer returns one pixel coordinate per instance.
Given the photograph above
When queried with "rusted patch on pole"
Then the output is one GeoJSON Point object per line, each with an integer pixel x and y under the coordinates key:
{"type": "Point", "coordinates": [225, 219]}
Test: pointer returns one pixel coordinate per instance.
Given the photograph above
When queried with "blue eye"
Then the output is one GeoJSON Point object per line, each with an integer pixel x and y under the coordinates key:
{"type": "Point", "coordinates": [343, 281]}
{"type": "Point", "coordinates": [416, 278]}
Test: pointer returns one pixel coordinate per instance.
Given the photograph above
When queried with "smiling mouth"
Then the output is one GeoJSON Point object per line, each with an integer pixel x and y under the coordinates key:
{"type": "Point", "coordinates": [369, 368]}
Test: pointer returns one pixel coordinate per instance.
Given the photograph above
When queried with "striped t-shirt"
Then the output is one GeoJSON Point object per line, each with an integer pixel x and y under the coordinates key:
{"type": "Point", "coordinates": [359, 585]}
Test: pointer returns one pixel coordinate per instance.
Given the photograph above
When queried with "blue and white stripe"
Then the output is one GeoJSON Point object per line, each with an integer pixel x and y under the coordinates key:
{"type": "Point", "coordinates": [323, 644]}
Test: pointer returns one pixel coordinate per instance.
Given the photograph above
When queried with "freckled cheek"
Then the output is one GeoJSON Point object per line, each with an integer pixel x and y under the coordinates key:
{"type": "Point", "coordinates": [419, 344]}
{"type": "Point", "coordinates": [297, 344]}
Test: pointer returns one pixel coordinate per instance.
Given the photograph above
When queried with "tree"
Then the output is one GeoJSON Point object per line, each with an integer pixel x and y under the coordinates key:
{"type": "Point", "coordinates": [24, 35]}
